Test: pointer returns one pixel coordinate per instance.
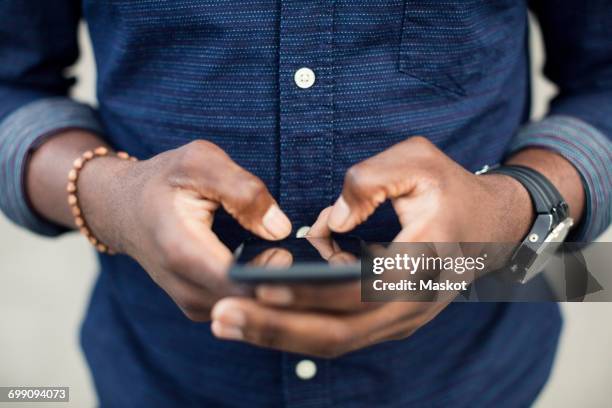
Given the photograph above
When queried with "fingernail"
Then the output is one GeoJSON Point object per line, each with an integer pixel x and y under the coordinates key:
{"type": "Point", "coordinates": [278, 295]}
{"type": "Point", "coordinates": [223, 331]}
{"type": "Point", "coordinates": [339, 214]}
{"type": "Point", "coordinates": [280, 259]}
{"type": "Point", "coordinates": [276, 222]}
{"type": "Point", "coordinates": [228, 321]}
{"type": "Point", "coordinates": [229, 315]}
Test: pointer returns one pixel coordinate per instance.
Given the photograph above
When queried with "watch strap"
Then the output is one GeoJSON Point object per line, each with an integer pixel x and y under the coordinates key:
{"type": "Point", "coordinates": [551, 222]}
{"type": "Point", "coordinates": [544, 195]}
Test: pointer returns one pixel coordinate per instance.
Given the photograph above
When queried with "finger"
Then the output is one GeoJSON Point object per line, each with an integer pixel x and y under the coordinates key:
{"type": "Point", "coordinates": [190, 247]}
{"type": "Point", "coordinates": [324, 246]}
{"type": "Point", "coordinates": [402, 271]}
{"type": "Point", "coordinates": [262, 258]}
{"type": "Point", "coordinates": [273, 258]}
{"type": "Point", "coordinates": [440, 263]}
{"type": "Point", "coordinates": [342, 258]}
{"type": "Point", "coordinates": [417, 214]}
{"type": "Point", "coordinates": [252, 205]}
{"type": "Point", "coordinates": [413, 232]}
{"type": "Point", "coordinates": [414, 316]}
{"type": "Point", "coordinates": [369, 184]}
{"type": "Point", "coordinates": [243, 195]}
{"type": "Point", "coordinates": [320, 229]}
{"type": "Point", "coordinates": [194, 301]}
{"type": "Point", "coordinates": [340, 297]}
{"type": "Point", "coordinates": [421, 231]}
{"type": "Point", "coordinates": [246, 320]}
{"type": "Point", "coordinates": [192, 287]}
{"type": "Point", "coordinates": [200, 258]}
{"type": "Point", "coordinates": [301, 332]}
{"type": "Point", "coordinates": [319, 236]}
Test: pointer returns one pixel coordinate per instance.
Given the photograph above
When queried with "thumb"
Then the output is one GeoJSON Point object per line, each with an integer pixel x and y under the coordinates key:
{"type": "Point", "coordinates": [353, 207]}
{"type": "Point", "coordinates": [276, 224]}
{"type": "Point", "coordinates": [366, 186]}
{"type": "Point", "coordinates": [216, 177]}
{"type": "Point", "coordinates": [246, 198]}
{"type": "Point", "coordinates": [258, 213]}
{"type": "Point", "coordinates": [364, 189]}
{"type": "Point", "coordinates": [339, 217]}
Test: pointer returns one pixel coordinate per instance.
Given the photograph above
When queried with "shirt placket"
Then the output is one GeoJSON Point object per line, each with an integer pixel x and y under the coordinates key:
{"type": "Point", "coordinates": [306, 108]}
{"type": "Point", "coordinates": [306, 382]}
{"type": "Point", "coordinates": [306, 151]}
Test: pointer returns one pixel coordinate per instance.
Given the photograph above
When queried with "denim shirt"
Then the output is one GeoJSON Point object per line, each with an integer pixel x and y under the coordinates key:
{"type": "Point", "coordinates": [169, 72]}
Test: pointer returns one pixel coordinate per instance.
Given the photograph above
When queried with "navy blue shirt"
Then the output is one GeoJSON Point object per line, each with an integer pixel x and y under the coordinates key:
{"type": "Point", "coordinates": [169, 72]}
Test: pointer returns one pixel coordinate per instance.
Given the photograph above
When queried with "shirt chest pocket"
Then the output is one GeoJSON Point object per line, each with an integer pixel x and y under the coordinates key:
{"type": "Point", "coordinates": [454, 45]}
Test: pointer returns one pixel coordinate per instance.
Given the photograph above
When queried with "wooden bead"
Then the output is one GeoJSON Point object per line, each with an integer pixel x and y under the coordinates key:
{"type": "Point", "coordinates": [73, 201]}
{"type": "Point", "coordinates": [101, 151]}
{"type": "Point", "coordinates": [79, 222]}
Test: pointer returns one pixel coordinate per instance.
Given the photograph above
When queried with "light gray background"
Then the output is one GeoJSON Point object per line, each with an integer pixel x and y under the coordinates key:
{"type": "Point", "coordinates": [45, 285]}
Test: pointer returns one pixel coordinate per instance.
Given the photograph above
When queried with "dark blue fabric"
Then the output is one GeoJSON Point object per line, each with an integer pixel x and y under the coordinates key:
{"type": "Point", "coordinates": [170, 72]}
{"type": "Point", "coordinates": [144, 353]}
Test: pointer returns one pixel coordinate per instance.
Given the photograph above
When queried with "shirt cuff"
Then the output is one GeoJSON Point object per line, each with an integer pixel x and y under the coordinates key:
{"type": "Point", "coordinates": [20, 132]}
{"type": "Point", "coordinates": [590, 151]}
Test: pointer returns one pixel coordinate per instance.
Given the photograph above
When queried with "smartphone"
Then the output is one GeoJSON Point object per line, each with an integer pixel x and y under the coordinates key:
{"type": "Point", "coordinates": [295, 260]}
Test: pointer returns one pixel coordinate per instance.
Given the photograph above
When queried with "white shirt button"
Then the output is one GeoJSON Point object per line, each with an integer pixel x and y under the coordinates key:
{"type": "Point", "coordinates": [306, 369]}
{"type": "Point", "coordinates": [304, 78]}
{"type": "Point", "coordinates": [302, 231]}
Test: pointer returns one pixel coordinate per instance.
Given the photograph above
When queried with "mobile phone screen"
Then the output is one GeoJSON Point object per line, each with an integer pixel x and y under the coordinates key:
{"type": "Point", "coordinates": [298, 260]}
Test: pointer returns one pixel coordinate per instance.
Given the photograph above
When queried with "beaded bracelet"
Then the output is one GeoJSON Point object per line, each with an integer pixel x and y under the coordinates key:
{"type": "Point", "coordinates": [73, 199]}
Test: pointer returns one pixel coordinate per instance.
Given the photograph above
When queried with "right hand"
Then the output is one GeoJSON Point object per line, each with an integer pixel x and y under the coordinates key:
{"type": "Point", "coordinates": [160, 212]}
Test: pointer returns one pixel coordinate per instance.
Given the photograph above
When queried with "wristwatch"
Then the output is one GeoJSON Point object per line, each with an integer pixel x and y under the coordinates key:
{"type": "Point", "coordinates": [550, 228]}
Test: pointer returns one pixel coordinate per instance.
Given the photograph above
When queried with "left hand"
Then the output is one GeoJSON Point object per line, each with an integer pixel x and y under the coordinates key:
{"type": "Point", "coordinates": [436, 200]}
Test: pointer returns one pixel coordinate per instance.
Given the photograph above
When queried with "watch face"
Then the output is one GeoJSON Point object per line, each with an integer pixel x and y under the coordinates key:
{"type": "Point", "coordinates": [548, 248]}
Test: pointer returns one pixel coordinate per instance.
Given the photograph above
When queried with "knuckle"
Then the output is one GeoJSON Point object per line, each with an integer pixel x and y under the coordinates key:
{"type": "Point", "coordinates": [422, 146]}
{"type": "Point", "coordinates": [355, 174]}
{"type": "Point", "coordinates": [251, 190]}
{"type": "Point", "coordinates": [200, 145]}
{"type": "Point", "coordinates": [191, 155]}
{"type": "Point", "coordinates": [420, 141]}
{"type": "Point", "coordinates": [356, 178]}
{"type": "Point", "coordinates": [254, 187]}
